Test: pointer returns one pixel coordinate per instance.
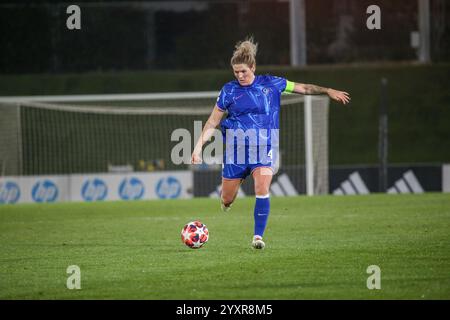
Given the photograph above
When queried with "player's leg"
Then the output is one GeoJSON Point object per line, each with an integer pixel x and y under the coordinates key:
{"type": "Point", "coordinates": [230, 188]}
{"type": "Point", "coordinates": [262, 177]}
{"type": "Point", "coordinates": [232, 177]}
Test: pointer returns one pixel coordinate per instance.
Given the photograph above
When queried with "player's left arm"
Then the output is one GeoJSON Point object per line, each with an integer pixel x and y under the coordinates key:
{"type": "Point", "coordinates": [311, 89]}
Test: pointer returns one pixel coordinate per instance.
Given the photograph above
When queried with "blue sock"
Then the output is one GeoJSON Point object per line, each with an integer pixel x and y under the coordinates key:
{"type": "Point", "coordinates": [262, 208]}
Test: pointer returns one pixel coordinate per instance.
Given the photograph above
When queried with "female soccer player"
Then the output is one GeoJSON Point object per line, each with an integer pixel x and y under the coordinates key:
{"type": "Point", "coordinates": [252, 103]}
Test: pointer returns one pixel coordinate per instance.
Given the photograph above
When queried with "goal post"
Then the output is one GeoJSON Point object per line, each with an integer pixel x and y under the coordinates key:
{"type": "Point", "coordinates": [80, 134]}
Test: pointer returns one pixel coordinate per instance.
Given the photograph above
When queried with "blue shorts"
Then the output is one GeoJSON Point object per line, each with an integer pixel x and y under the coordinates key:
{"type": "Point", "coordinates": [240, 167]}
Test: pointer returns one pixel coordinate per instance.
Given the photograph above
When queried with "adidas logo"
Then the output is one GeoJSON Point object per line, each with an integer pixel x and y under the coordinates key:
{"type": "Point", "coordinates": [353, 185]}
{"type": "Point", "coordinates": [407, 184]}
{"type": "Point", "coordinates": [283, 187]}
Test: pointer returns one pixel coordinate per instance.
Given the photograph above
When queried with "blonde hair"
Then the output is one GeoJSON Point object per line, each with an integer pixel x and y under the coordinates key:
{"type": "Point", "coordinates": [245, 53]}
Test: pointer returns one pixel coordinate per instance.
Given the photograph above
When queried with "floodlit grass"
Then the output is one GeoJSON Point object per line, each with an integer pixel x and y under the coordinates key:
{"type": "Point", "coordinates": [316, 248]}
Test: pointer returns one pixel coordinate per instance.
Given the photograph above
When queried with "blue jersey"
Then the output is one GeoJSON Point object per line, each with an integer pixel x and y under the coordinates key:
{"type": "Point", "coordinates": [256, 106]}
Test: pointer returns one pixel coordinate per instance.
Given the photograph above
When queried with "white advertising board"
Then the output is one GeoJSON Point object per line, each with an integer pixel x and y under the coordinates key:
{"type": "Point", "coordinates": [97, 187]}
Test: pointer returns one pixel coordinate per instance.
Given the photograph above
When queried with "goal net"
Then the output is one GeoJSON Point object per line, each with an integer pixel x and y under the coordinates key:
{"type": "Point", "coordinates": [58, 135]}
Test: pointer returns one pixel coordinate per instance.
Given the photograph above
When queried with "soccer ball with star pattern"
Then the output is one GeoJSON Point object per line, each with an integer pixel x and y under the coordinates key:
{"type": "Point", "coordinates": [194, 234]}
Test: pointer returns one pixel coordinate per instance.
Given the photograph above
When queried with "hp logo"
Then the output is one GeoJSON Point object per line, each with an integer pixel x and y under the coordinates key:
{"type": "Point", "coordinates": [44, 191]}
{"type": "Point", "coordinates": [94, 190]}
{"type": "Point", "coordinates": [131, 189]}
{"type": "Point", "coordinates": [9, 192]}
{"type": "Point", "coordinates": [168, 188]}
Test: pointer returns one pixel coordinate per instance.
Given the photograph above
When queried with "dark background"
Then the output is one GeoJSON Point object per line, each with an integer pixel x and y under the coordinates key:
{"type": "Point", "coordinates": [149, 35]}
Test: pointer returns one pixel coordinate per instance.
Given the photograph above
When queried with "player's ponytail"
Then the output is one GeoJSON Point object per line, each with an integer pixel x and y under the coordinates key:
{"type": "Point", "coordinates": [245, 53]}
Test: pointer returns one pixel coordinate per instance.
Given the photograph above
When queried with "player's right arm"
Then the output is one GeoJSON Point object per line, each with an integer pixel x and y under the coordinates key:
{"type": "Point", "coordinates": [207, 132]}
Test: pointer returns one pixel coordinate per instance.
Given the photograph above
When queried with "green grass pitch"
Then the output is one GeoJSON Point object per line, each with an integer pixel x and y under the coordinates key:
{"type": "Point", "coordinates": [316, 248]}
